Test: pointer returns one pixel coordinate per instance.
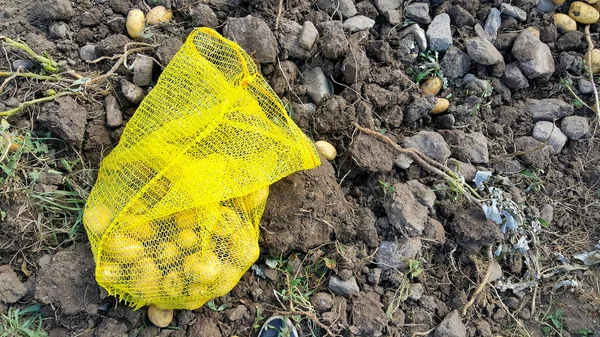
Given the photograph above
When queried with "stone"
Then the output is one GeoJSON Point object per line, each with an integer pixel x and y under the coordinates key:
{"type": "Point", "coordinates": [358, 23]}
{"type": "Point", "coordinates": [132, 92]}
{"type": "Point", "coordinates": [367, 9]}
{"type": "Point", "coordinates": [570, 41]}
{"type": "Point", "coordinates": [404, 211]}
{"type": "Point", "coordinates": [334, 44]}
{"type": "Point", "coordinates": [468, 147]}
{"type": "Point", "coordinates": [395, 254]}
{"type": "Point", "coordinates": [492, 24]}
{"type": "Point", "coordinates": [374, 276]}
{"type": "Point", "coordinates": [439, 33]}
{"type": "Point", "coordinates": [418, 34]}
{"type": "Point", "coordinates": [575, 127]}
{"type": "Point", "coordinates": [548, 132]}
{"type": "Point", "coordinates": [308, 35]}
{"type": "Point", "coordinates": [534, 56]}
{"type": "Point", "coordinates": [460, 17]}
{"type": "Point", "coordinates": [11, 288]}
{"type": "Point", "coordinates": [368, 317]}
{"type": "Point", "coordinates": [142, 70]}
{"type": "Point", "coordinates": [289, 40]}
{"type": "Point", "coordinates": [25, 64]}
{"type": "Point", "coordinates": [112, 45]}
{"type": "Point", "coordinates": [386, 5]}
{"type": "Point", "coordinates": [416, 291]}
{"type": "Point", "coordinates": [120, 6]}
{"type": "Point", "coordinates": [52, 10]}
{"type": "Point", "coordinates": [322, 302]}
{"type": "Point", "coordinates": [254, 35]}
{"type": "Point", "coordinates": [344, 7]}
{"type": "Point", "coordinates": [483, 51]}
{"type": "Point", "coordinates": [167, 50]}
{"type": "Point", "coordinates": [547, 213]}
{"type": "Point", "coordinates": [546, 6]}
{"type": "Point", "coordinates": [513, 11]}
{"type": "Point", "coordinates": [483, 328]}
{"type": "Point", "coordinates": [394, 17]}
{"type": "Point", "coordinates": [65, 118]}
{"type": "Point", "coordinates": [237, 313]}
{"type": "Point", "coordinates": [514, 77]}
{"type": "Point", "coordinates": [432, 144]}
{"type": "Point", "coordinates": [317, 84]}
{"type": "Point", "coordinates": [534, 152]}
{"type": "Point", "coordinates": [356, 67]}
{"type": "Point", "coordinates": [495, 271]}
{"type": "Point", "coordinates": [455, 63]}
{"type": "Point", "coordinates": [370, 154]}
{"type": "Point", "coordinates": [110, 327]}
{"type": "Point", "coordinates": [585, 86]}
{"type": "Point", "coordinates": [418, 108]}
{"type": "Point", "coordinates": [548, 109]}
{"type": "Point", "coordinates": [114, 116]}
{"type": "Point", "coordinates": [570, 61]}
{"type": "Point", "coordinates": [343, 288]}
{"type": "Point", "coordinates": [435, 231]}
{"type": "Point", "coordinates": [58, 30]}
{"type": "Point", "coordinates": [476, 85]}
{"type": "Point", "coordinates": [284, 77]}
{"type": "Point", "coordinates": [424, 194]}
{"type": "Point", "coordinates": [418, 12]}
{"type": "Point", "coordinates": [451, 326]}
{"type": "Point", "coordinates": [203, 16]}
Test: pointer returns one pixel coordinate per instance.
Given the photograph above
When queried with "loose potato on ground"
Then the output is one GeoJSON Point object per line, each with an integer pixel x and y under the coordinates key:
{"type": "Point", "coordinates": [160, 317]}
{"type": "Point", "coordinates": [564, 23]}
{"type": "Point", "coordinates": [135, 23]}
{"type": "Point", "coordinates": [432, 86]}
{"type": "Point", "coordinates": [583, 13]}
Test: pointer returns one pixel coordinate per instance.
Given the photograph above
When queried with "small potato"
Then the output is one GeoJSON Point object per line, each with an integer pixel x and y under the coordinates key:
{"type": "Point", "coordinates": [168, 253]}
{"type": "Point", "coordinates": [160, 317]}
{"type": "Point", "coordinates": [158, 14]}
{"type": "Point", "coordinates": [255, 201]}
{"type": "Point", "coordinates": [109, 273]}
{"type": "Point", "coordinates": [441, 105]}
{"type": "Point", "coordinates": [145, 278]}
{"type": "Point", "coordinates": [432, 86]}
{"type": "Point", "coordinates": [187, 219]}
{"type": "Point", "coordinates": [229, 279]}
{"type": "Point", "coordinates": [203, 267]}
{"type": "Point", "coordinates": [96, 219]}
{"type": "Point", "coordinates": [583, 13]}
{"type": "Point", "coordinates": [564, 23]}
{"type": "Point", "coordinates": [173, 284]}
{"type": "Point", "coordinates": [187, 239]}
{"type": "Point", "coordinates": [229, 222]}
{"type": "Point", "coordinates": [135, 23]}
{"type": "Point", "coordinates": [326, 150]}
{"type": "Point", "coordinates": [595, 55]}
{"type": "Point", "coordinates": [123, 248]}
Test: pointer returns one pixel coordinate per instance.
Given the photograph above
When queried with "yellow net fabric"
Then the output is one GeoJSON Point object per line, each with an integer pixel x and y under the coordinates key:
{"type": "Point", "coordinates": [173, 217]}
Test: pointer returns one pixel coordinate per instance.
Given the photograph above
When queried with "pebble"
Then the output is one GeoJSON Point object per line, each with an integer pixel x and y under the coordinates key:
{"type": "Point", "coordinates": [114, 116]}
{"type": "Point", "coordinates": [483, 51]}
{"type": "Point", "coordinates": [25, 64]}
{"type": "Point", "coordinates": [334, 43]}
{"type": "Point", "coordinates": [203, 16]}
{"type": "Point", "coordinates": [88, 52]}
{"type": "Point", "coordinates": [404, 211]}
{"type": "Point", "coordinates": [549, 109]}
{"type": "Point", "coordinates": [386, 5]}
{"type": "Point", "coordinates": [395, 254]}
{"type": "Point", "coordinates": [455, 63]}
{"type": "Point", "coordinates": [451, 326]}
{"type": "Point", "coordinates": [514, 77]}
{"type": "Point", "coordinates": [535, 57]}
{"type": "Point", "coordinates": [254, 35]}
{"type": "Point", "coordinates": [343, 288]}
{"type": "Point", "coordinates": [416, 291]}
{"type": "Point", "coordinates": [11, 288]}
{"type": "Point", "coordinates": [58, 30]}
{"type": "Point", "coordinates": [322, 302]}
{"type": "Point", "coordinates": [460, 17]}
{"type": "Point", "coordinates": [546, 6]}
{"type": "Point", "coordinates": [344, 7]}
{"type": "Point", "coordinates": [548, 132]}
{"type": "Point", "coordinates": [575, 127]}
{"type": "Point", "coordinates": [432, 144]}
{"type": "Point", "coordinates": [132, 92]}
{"type": "Point", "coordinates": [289, 40]}
{"type": "Point", "coordinates": [492, 24]}
{"type": "Point", "coordinates": [585, 86]}
{"type": "Point", "coordinates": [237, 313]}
{"type": "Point", "coordinates": [142, 70]}
{"type": "Point", "coordinates": [418, 34]}
{"type": "Point", "coordinates": [439, 33]}
{"type": "Point", "coordinates": [358, 23]}
{"type": "Point", "coordinates": [418, 12]}
{"type": "Point", "coordinates": [308, 35]}
{"type": "Point", "coordinates": [394, 17]}
{"type": "Point", "coordinates": [513, 11]}
{"type": "Point", "coordinates": [374, 275]}
{"type": "Point", "coordinates": [317, 84]}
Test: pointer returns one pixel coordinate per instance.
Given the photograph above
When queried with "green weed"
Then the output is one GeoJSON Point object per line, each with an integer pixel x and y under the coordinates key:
{"type": "Point", "coordinates": [387, 187]}
{"type": "Point", "coordinates": [554, 323]}
{"type": "Point", "coordinates": [22, 323]}
{"type": "Point", "coordinates": [531, 178]}
{"type": "Point", "coordinates": [212, 306]}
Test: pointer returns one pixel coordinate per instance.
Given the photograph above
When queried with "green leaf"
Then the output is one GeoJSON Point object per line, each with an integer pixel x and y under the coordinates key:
{"type": "Point", "coordinates": [272, 262]}
{"type": "Point", "coordinates": [330, 263]}
{"type": "Point", "coordinates": [81, 81]}
{"type": "Point", "coordinates": [5, 125]}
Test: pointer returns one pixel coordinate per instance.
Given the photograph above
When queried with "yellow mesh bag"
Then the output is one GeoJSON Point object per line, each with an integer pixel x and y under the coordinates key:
{"type": "Point", "coordinates": [173, 217]}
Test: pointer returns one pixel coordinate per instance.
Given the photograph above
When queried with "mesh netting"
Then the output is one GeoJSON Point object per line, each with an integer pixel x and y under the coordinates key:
{"type": "Point", "coordinates": [173, 218]}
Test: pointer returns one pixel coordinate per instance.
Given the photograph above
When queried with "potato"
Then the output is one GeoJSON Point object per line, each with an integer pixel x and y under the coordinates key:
{"type": "Point", "coordinates": [202, 267]}
{"type": "Point", "coordinates": [145, 279]}
{"type": "Point", "coordinates": [564, 23]}
{"type": "Point", "coordinates": [158, 14]}
{"type": "Point", "coordinates": [168, 253]}
{"type": "Point", "coordinates": [96, 219]}
{"type": "Point", "coordinates": [432, 86]}
{"type": "Point", "coordinates": [441, 105]}
{"type": "Point", "coordinates": [583, 13]}
{"type": "Point", "coordinates": [187, 239]}
{"type": "Point", "coordinates": [160, 317]}
{"type": "Point", "coordinates": [135, 23]}
{"type": "Point", "coordinates": [558, 2]}
{"type": "Point", "coordinates": [592, 1]}
{"type": "Point", "coordinates": [229, 222]}
{"type": "Point", "coordinates": [230, 277]}
{"type": "Point", "coordinates": [595, 54]}
{"type": "Point", "coordinates": [244, 248]}
{"type": "Point", "coordinates": [187, 219]}
{"type": "Point", "coordinates": [109, 274]}
{"type": "Point", "coordinates": [326, 150]}
{"type": "Point", "coordinates": [256, 200]}
{"type": "Point", "coordinates": [123, 248]}
{"type": "Point", "coordinates": [173, 284]}
{"type": "Point", "coordinates": [198, 293]}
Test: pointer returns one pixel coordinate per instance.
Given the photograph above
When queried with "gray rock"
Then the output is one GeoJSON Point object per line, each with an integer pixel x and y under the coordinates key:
{"type": "Point", "coordinates": [514, 77]}
{"type": "Point", "coordinates": [333, 42]}
{"type": "Point", "coordinates": [455, 63]}
{"type": "Point", "coordinates": [403, 161]}
{"type": "Point", "coordinates": [368, 318]}
{"type": "Point", "coordinates": [418, 108]}
{"type": "Point", "coordinates": [343, 288]}
{"type": "Point", "coordinates": [483, 51]}
{"type": "Point", "coordinates": [424, 194]}
{"type": "Point", "coordinates": [394, 17]}
{"type": "Point", "coordinates": [358, 23]}
{"type": "Point", "coordinates": [439, 34]}
{"type": "Point", "coordinates": [534, 152]}
{"type": "Point", "coordinates": [52, 10]}
{"type": "Point", "coordinates": [11, 288]}
{"type": "Point", "coordinates": [575, 127]}
{"type": "Point", "coordinates": [585, 86]}
{"type": "Point", "coordinates": [132, 92]}
{"type": "Point", "coordinates": [317, 84]}
{"type": "Point", "coordinates": [547, 213]}
{"type": "Point", "coordinates": [66, 118]}
{"type": "Point", "coordinates": [25, 64]}
{"type": "Point", "coordinates": [370, 154]}
{"type": "Point", "coordinates": [284, 76]}
{"type": "Point", "coordinates": [237, 313]}
{"type": "Point", "coordinates": [546, 6]}
{"type": "Point", "coordinates": [468, 147]}
{"type": "Point", "coordinates": [322, 302]}
{"type": "Point", "coordinates": [460, 17]}
{"type": "Point", "coordinates": [142, 70]}
{"type": "Point", "coordinates": [432, 144]}
{"type": "Point", "coordinates": [112, 45]}
{"type": "Point", "coordinates": [404, 212]}
{"type": "Point", "coordinates": [476, 85]}
{"type": "Point", "coordinates": [374, 276]}
{"type": "Point", "coordinates": [386, 5]}
{"type": "Point", "coordinates": [58, 30]}
{"type": "Point", "coordinates": [535, 57]}
{"type": "Point", "coordinates": [451, 326]}
{"type": "Point", "coordinates": [435, 231]}
{"type": "Point", "coordinates": [203, 16]}
{"type": "Point", "coordinates": [167, 49]}
{"type": "Point", "coordinates": [570, 61]}
{"type": "Point", "coordinates": [114, 116]}
{"type": "Point", "coordinates": [395, 255]}
{"type": "Point", "coordinates": [418, 12]}
{"type": "Point", "coordinates": [308, 36]}
{"type": "Point", "coordinates": [344, 7]}
{"type": "Point", "coordinates": [418, 34]}
{"type": "Point", "coordinates": [570, 41]}
{"type": "Point", "coordinates": [88, 52]}
{"type": "Point", "coordinates": [254, 35]}
{"type": "Point", "coordinates": [513, 11]}
{"type": "Point", "coordinates": [110, 327]}
{"type": "Point", "coordinates": [549, 109]}
{"type": "Point", "coordinates": [289, 39]}
{"type": "Point", "coordinates": [548, 132]}
{"type": "Point", "coordinates": [492, 24]}
{"type": "Point", "coordinates": [416, 291]}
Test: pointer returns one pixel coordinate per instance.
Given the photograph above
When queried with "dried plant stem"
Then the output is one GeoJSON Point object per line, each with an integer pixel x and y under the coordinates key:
{"type": "Point", "coordinates": [588, 37]}
{"type": "Point", "coordinates": [52, 78]}
{"type": "Point", "coordinates": [10, 112]}
{"type": "Point", "coordinates": [483, 282]}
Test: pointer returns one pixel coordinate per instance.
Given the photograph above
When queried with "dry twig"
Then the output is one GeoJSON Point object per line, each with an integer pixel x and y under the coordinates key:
{"type": "Point", "coordinates": [483, 282]}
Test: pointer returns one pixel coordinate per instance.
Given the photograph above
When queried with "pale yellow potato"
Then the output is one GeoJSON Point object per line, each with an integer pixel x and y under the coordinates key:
{"type": "Point", "coordinates": [135, 23]}
{"type": "Point", "coordinates": [123, 248]}
{"type": "Point", "coordinates": [168, 253]}
{"type": "Point", "coordinates": [145, 279]}
{"type": "Point", "coordinates": [432, 86]}
{"type": "Point", "coordinates": [256, 200]}
{"type": "Point", "coordinates": [97, 219]}
{"type": "Point", "coordinates": [326, 149]}
{"type": "Point", "coordinates": [441, 105]}
{"type": "Point", "coordinates": [109, 274]}
{"type": "Point", "coordinates": [173, 284]}
{"type": "Point", "coordinates": [187, 239]}
{"type": "Point", "coordinates": [595, 54]}
{"type": "Point", "coordinates": [158, 14]}
{"type": "Point", "coordinates": [202, 267]}
{"type": "Point", "coordinates": [564, 23]}
{"type": "Point", "coordinates": [583, 13]}
{"type": "Point", "coordinates": [160, 317]}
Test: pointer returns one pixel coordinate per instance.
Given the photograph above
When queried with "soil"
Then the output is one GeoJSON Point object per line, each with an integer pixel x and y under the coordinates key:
{"type": "Point", "coordinates": [376, 244]}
